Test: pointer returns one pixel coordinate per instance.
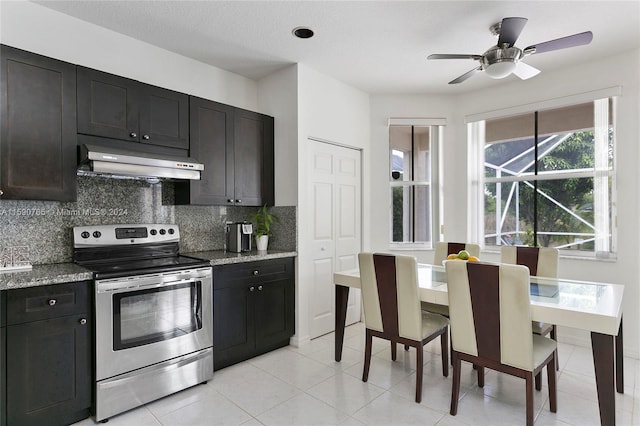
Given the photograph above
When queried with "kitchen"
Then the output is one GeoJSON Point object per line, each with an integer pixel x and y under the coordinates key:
{"type": "Point", "coordinates": [359, 121]}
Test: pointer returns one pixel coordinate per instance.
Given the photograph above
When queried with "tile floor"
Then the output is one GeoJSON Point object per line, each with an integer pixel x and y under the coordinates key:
{"type": "Point", "coordinates": [305, 386]}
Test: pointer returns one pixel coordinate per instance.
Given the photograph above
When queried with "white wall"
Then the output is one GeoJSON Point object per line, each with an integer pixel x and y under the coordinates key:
{"type": "Point", "coordinates": [329, 110]}
{"type": "Point", "coordinates": [278, 97]}
{"type": "Point", "coordinates": [623, 70]}
{"type": "Point", "coordinates": [35, 28]}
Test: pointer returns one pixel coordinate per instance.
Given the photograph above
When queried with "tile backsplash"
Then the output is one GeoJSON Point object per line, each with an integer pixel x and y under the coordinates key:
{"type": "Point", "coordinates": [45, 227]}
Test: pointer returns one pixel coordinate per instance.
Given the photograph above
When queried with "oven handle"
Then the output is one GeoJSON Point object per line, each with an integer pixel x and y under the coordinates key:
{"type": "Point", "coordinates": [123, 286]}
{"type": "Point", "coordinates": [155, 369]}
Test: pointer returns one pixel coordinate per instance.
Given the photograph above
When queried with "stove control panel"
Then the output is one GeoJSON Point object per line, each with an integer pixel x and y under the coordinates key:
{"type": "Point", "coordinates": [109, 235]}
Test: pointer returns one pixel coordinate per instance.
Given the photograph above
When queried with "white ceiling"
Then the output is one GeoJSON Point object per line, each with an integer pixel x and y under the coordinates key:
{"type": "Point", "coordinates": [376, 46]}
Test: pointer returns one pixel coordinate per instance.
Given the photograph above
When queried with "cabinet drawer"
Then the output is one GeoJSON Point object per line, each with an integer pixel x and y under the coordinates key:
{"type": "Point", "coordinates": [51, 301]}
{"type": "Point", "coordinates": [227, 275]}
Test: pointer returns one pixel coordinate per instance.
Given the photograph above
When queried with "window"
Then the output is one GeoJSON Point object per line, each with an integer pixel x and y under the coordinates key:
{"type": "Point", "coordinates": [548, 178]}
{"type": "Point", "coordinates": [414, 184]}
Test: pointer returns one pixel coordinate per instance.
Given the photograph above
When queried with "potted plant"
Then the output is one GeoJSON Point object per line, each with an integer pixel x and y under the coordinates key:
{"type": "Point", "coordinates": [262, 222]}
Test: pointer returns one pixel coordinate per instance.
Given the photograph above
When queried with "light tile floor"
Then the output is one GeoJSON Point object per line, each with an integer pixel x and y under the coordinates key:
{"type": "Point", "coordinates": [305, 386]}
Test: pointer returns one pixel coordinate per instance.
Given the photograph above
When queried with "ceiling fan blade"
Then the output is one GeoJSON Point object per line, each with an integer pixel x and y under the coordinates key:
{"type": "Point", "coordinates": [465, 76]}
{"type": "Point", "coordinates": [454, 56]}
{"type": "Point", "coordinates": [525, 71]}
{"type": "Point", "coordinates": [510, 30]}
{"type": "Point", "coordinates": [579, 39]}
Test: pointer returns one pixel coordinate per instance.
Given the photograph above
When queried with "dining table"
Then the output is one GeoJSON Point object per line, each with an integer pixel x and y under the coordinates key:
{"type": "Point", "coordinates": [592, 306]}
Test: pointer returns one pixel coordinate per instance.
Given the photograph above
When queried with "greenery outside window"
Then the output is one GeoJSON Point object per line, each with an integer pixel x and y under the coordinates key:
{"type": "Point", "coordinates": [549, 178]}
{"type": "Point", "coordinates": [414, 184]}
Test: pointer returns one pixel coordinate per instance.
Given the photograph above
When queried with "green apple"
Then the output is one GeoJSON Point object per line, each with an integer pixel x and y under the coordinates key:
{"type": "Point", "coordinates": [463, 254]}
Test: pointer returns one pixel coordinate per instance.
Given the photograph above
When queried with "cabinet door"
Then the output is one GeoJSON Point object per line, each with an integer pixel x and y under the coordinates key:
{"type": "Point", "coordinates": [211, 134]}
{"type": "Point", "coordinates": [49, 371]}
{"type": "Point", "coordinates": [253, 162]}
{"type": "Point", "coordinates": [107, 105]}
{"type": "Point", "coordinates": [3, 379]}
{"type": "Point", "coordinates": [164, 117]}
{"type": "Point", "coordinates": [274, 314]}
{"type": "Point", "coordinates": [233, 325]}
{"type": "Point", "coordinates": [38, 127]}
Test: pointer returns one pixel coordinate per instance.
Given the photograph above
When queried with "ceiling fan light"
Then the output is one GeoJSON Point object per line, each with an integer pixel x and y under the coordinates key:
{"type": "Point", "coordinates": [500, 69]}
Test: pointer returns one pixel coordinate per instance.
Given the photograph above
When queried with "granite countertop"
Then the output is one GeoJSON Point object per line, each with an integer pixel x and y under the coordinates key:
{"type": "Point", "coordinates": [221, 257]}
{"type": "Point", "coordinates": [58, 273]}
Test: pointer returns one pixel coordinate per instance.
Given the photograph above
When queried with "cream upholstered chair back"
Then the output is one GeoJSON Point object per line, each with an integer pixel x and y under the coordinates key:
{"type": "Point", "coordinates": [390, 295]}
{"type": "Point", "coordinates": [489, 312]}
{"type": "Point", "coordinates": [444, 249]}
{"type": "Point", "coordinates": [541, 261]}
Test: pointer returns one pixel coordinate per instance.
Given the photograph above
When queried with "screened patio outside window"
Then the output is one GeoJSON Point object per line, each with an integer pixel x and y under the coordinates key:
{"type": "Point", "coordinates": [548, 178]}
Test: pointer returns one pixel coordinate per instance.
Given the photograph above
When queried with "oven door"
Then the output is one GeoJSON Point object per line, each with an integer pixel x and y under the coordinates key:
{"type": "Point", "coordinates": [146, 319]}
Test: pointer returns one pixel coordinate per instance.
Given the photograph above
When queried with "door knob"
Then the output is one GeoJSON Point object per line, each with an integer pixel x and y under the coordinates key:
{"type": "Point", "coordinates": [83, 321]}
{"type": "Point", "coordinates": [52, 302]}
{"type": "Point", "coordinates": [252, 288]}
{"type": "Point", "coordinates": [133, 134]}
{"type": "Point", "coordinates": [259, 287]}
{"type": "Point", "coordinates": [145, 137]}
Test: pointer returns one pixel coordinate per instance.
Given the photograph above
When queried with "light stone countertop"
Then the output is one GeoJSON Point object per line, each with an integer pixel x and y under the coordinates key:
{"type": "Point", "coordinates": [58, 273]}
{"type": "Point", "coordinates": [221, 257]}
{"type": "Point", "coordinates": [39, 275]}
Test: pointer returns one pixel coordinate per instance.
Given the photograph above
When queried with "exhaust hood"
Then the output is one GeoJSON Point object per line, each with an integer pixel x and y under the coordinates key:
{"type": "Point", "coordinates": [118, 163]}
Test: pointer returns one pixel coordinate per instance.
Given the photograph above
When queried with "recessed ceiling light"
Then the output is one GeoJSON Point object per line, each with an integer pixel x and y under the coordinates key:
{"type": "Point", "coordinates": [302, 32]}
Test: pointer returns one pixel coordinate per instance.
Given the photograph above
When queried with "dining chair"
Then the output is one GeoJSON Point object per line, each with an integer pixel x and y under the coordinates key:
{"type": "Point", "coordinates": [444, 249]}
{"type": "Point", "coordinates": [490, 317]}
{"type": "Point", "coordinates": [391, 303]}
{"type": "Point", "coordinates": [542, 262]}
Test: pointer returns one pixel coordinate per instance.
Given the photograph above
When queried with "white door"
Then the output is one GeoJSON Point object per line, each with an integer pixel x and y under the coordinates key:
{"type": "Point", "coordinates": [335, 196]}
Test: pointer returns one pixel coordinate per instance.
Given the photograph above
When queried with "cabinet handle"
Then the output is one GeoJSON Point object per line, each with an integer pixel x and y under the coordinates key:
{"type": "Point", "coordinates": [52, 302]}
{"type": "Point", "coordinates": [145, 137]}
{"type": "Point", "coordinates": [256, 272]}
{"type": "Point", "coordinates": [83, 321]}
{"type": "Point", "coordinates": [259, 287]}
{"type": "Point", "coordinates": [133, 134]}
{"type": "Point", "coordinates": [1, 192]}
{"type": "Point", "coordinates": [229, 200]}
{"type": "Point", "coordinates": [252, 288]}
{"type": "Point", "coordinates": [238, 201]}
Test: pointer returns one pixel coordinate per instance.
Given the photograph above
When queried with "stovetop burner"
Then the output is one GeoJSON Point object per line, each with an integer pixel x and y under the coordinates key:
{"type": "Point", "coordinates": [113, 251]}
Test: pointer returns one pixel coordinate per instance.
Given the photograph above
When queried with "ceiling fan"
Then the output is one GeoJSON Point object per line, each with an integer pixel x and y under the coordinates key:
{"type": "Point", "coordinates": [504, 58]}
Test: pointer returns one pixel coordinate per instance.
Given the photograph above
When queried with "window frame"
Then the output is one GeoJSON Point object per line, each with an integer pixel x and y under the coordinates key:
{"type": "Point", "coordinates": [600, 172]}
{"type": "Point", "coordinates": [436, 133]}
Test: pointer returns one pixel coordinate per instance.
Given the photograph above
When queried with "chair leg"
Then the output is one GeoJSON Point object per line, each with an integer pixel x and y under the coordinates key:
{"type": "Point", "coordinates": [553, 392]}
{"type": "Point", "coordinates": [554, 336]}
{"type": "Point", "coordinates": [394, 351]}
{"type": "Point", "coordinates": [538, 380]}
{"type": "Point", "coordinates": [529, 384]}
{"type": "Point", "coordinates": [480, 376]}
{"type": "Point", "coordinates": [444, 343]}
{"type": "Point", "coordinates": [419, 366]}
{"type": "Point", "coordinates": [455, 385]}
{"type": "Point", "coordinates": [367, 355]}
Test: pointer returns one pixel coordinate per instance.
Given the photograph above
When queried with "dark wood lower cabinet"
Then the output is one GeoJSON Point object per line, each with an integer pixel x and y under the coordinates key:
{"type": "Point", "coordinates": [48, 355]}
{"type": "Point", "coordinates": [3, 380]}
{"type": "Point", "coordinates": [253, 309]}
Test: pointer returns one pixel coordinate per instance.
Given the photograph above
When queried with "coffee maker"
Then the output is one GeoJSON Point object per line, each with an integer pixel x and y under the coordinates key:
{"type": "Point", "coordinates": [238, 236]}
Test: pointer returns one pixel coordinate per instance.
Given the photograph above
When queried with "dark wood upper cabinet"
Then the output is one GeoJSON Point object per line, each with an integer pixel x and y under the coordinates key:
{"type": "Point", "coordinates": [236, 147]}
{"type": "Point", "coordinates": [115, 107]}
{"type": "Point", "coordinates": [38, 127]}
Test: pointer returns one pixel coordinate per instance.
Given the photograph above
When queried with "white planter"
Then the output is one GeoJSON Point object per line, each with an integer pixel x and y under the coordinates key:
{"type": "Point", "coordinates": [262, 242]}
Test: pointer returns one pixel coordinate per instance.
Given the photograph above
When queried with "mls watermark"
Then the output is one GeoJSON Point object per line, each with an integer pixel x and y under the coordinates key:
{"type": "Point", "coordinates": [27, 212]}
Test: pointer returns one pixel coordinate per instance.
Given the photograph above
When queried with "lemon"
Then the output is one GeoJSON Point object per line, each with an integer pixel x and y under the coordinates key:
{"type": "Point", "coordinates": [452, 256]}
